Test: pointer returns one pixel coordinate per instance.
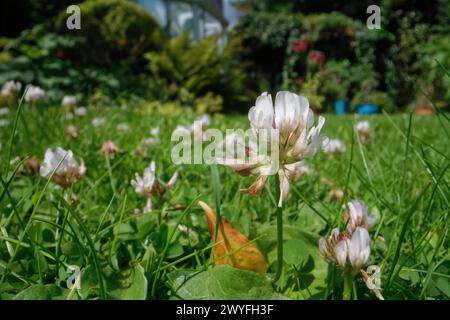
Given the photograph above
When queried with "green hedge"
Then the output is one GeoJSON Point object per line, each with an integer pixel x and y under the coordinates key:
{"type": "Point", "coordinates": [112, 32]}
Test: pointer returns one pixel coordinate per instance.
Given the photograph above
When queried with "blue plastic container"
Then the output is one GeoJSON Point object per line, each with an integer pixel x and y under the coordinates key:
{"type": "Point", "coordinates": [341, 107]}
{"type": "Point", "coordinates": [367, 108]}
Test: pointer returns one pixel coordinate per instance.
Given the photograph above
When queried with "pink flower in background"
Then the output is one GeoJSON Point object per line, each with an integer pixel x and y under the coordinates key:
{"type": "Point", "coordinates": [299, 81]}
{"type": "Point", "coordinates": [316, 56]}
{"type": "Point", "coordinates": [300, 45]}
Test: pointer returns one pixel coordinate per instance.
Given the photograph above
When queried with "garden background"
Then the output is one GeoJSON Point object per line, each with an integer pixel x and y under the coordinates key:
{"type": "Point", "coordinates": [104, 221]}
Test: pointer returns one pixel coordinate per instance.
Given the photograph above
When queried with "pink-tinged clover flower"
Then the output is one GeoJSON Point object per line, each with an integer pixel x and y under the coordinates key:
{"type": "Point", "coordinates": [60, 165]}
{"type": "Point", "coordinates": [34, 94]}
{"type": "Point", "coordinates": [284, 129]}
{"type": "Point", "coordinates": [149, 186]}
{"type": "Point", "coordinates": [364, 131]}
{"type": "Point", "coordinates": [109, 149]}
{"type": "Point", "coordinates": [334, 147]}
{"type": "Point", "coordinates": [69, 101]}
{"type": "Point", "coordinates": [11, 89]}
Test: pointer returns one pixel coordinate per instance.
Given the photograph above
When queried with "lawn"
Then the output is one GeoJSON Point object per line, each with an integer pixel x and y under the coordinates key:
{"type": "Point", "coordinates": [123, 252]}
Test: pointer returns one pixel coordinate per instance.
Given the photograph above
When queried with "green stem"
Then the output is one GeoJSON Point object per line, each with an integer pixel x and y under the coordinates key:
{"type": "Point", "coordinates": [348, 286]}
{"type": "Point", "coordinates": [279, 239]}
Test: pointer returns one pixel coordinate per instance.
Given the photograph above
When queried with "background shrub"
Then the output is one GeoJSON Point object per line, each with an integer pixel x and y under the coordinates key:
{"type": "Point", "coordinates": [113, 32]}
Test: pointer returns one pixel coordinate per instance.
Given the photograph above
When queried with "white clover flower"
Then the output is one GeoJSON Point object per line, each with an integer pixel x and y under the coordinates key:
{"type": "Point", "coordinates": [183, 228]}
{"type": "Point", "coordinates": [295, 171]}
{"type": "Point", "coordinates": [80, 111]}
{"type": "Point", "coordinates": [109, 149]}
{"type": "Point", "coordinates": [11, 89]}
{"type": "Point", "coordinates": [334, 147]}
{"type": "Point", "coordinates": [357, 216]}
{"type": "Point", "coordinates": [148, 185]}
{"type": "Point", "coordinates": [364, 131]}
{"type": "Point", "coordinates": [34, 94]}
{"type": "Point", "coordinates": [199, 125]}
{"type": "Point", "coordinates": [123, 127]}
{"type": "Point", "coordinates": [150, 141]}
{"type": "Point", "coordinates": [72, 131]}
{"type": "Point", "coordinates": [358, 249]}
{"type": "Point", "coordinates": [69, 116]}
{"type": "Point", "coordinates": [350, 251]}
{"type": "Point", "coordinates": [66, 169]}
{"type": "Point", "coordinates": [154, 131]}
{"type": "Point", "coordinates": [98, 122]}
{"type": "Point", "coordinates": [4, 123]}
{"type": "Point", "coordinates": [297, 139]}
{"type": "Point", "coordinates": [69, 101]}
{"type": "Point", "coordinates": [4, 111]}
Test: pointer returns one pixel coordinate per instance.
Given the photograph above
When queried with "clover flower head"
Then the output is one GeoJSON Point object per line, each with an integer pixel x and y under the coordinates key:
{"type": "Point", "coordinates": [80, 111]}
{"type": "Point", "coordinates": [34, 94]}
{"type": "Point", "coordinates": [287, 128]}
{"type": "Point", "coordinates": [72, 131]}
{"type": "Point", "coordinates": [334, 147]}
{"type": "Point", "coordinates": [60, 165]}
{"type": "Point", "coordinates": [98, 122]}
{"type": "Point", "coordinates": [69, 101]}
{"type": "Point", "coordinates": [4, 111]}
{"type": "Point", "coordinates": [356, 215]}
{"type": "Point", "coordinates": [349, 251]}
{"type": "Point", "coordinates": [109, 149]}
{"type": "Point", "coordinates": [148, 185]}
{"type": "Point", "coordinates": [123, 127]}
{"type": "Point", "coordinates": [11, 89]}
{"type": "Point", "coordinates": [364, 131]}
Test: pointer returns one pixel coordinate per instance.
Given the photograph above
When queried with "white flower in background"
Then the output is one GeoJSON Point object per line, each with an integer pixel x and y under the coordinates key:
{"type": "Point", "coordinates": [69, 116]}
{"type": "Point", "coordinates": [183, 228]}
{"type": "Point", "coordinates": [295, 171]}
{"type": "Point", "coordinates": [69, 101]}
{"type": "Point", "coordinates": [334, 147]}
{"type": "Point", "coordinates": [109, 149]}
{"type": "Point", "coordinates": [148, 185]}
{"type": "Point", "coordinates": [80, 111]}
{"type": "Point", "coordinates": [357, 215]}
{"type": "Point", "coordinates": [297, 138]}
{"type": "Point", "coordinates": [34, 93]}
{"type": "Point", "coordinates": [4, 111]}
{"type": "Point", "coordinates": [11, 89]}
{"type": "Point", "coordinates": [72, 131]}
{"type": "Point", "coordinates": [98, 122]}
{"type": "Point", "coordinates": [4, 122]}
{"type": "Point", "coordinates": [200, 124]}
{"type": "Point", "coordinates": [154, 131]}
{"type": "Point", "coordinates": [123, 127]}
{"type": "Point", "coordinates": [364, 131]}
{"type": "Point", "coordinates": [66, 169]}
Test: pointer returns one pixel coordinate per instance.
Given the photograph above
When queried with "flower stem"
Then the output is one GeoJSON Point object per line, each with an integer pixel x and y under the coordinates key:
{"type": "Point", "coordinates": [279, 238]}
{"type": "Point", "coordinates": [279, 243]}
{"type": "Point", "coordinates": [348, 286]}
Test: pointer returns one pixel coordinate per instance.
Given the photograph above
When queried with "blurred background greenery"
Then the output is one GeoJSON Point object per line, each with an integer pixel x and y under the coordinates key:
{"type": "Point", "coordinates": [218, 55]}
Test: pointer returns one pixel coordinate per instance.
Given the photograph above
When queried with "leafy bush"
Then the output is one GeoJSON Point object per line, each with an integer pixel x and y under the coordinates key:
{"type": "Point", "coordinates": [40, 57]}
{"type": "Point", "coordinates": [184, 71]}
{"type": "Point", "coordinates": [435, 82]}
{"type": "Point", "coordinates": [112, 32]}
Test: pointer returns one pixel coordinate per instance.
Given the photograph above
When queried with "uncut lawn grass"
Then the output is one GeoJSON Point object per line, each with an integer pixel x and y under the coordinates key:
{"type": "Point", "coordinates": [402, 176]}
